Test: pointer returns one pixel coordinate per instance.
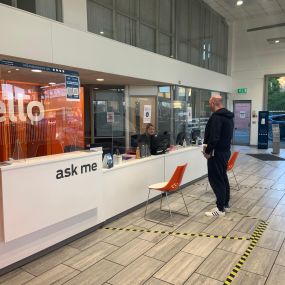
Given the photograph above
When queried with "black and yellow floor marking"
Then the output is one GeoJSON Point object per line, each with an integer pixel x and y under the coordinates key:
{"type": "Point", "coordinates": [254, 239]}
{"type": "Point", "coordinates": [177, 233]}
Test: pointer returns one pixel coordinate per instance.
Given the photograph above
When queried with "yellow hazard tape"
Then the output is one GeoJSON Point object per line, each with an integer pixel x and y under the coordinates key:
{"type": "Point", "coordinates": [254, 239]}
{"type": "Point", "coordinates": [177, 233]}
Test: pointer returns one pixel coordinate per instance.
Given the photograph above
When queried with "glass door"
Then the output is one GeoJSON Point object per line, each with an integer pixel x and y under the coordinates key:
{"type": "Point", "coordinates": [242, 111]}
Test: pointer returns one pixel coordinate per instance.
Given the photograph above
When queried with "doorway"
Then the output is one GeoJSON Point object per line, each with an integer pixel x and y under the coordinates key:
{"type": "Point", "coordinates": [242, 111]}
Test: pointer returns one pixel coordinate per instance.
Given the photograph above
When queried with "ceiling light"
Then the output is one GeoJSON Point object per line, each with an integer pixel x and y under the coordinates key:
{"type": "Point", "coordinates": [100, 79]}
{"type": "Point", "coordinates": [277, 41]}
{"type": "Point", "coordinates": [36, 70]}
{"type": "Point", "coordinates": [17, 69]}
{"type": "Point", "coordinates": [96, 88]}
{"type": "Point", "coordinates": [9, 71]}
{"type": "Point", "coordinates": [101, 32]}
{"type": "Point", "coordinates": [239, 2]}
{"type": "Point", "coordinates": [52, 83]}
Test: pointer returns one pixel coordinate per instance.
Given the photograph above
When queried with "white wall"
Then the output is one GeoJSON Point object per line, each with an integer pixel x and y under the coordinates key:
{"type": "Point", "coordinates": [253, 58]}
{"type": "Point", "coordinates": [33, 37]}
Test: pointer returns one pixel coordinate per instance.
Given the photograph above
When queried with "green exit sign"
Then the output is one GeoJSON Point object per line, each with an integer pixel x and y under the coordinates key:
{"type": "Point", "coordinates": [242, 90]}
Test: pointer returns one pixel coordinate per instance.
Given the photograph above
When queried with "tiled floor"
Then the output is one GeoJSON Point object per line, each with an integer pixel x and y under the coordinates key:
{"type": "Point", "coordinates": [121, 258]}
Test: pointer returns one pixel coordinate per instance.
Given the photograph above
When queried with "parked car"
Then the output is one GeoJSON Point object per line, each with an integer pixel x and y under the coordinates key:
{"type": "Point", "coordinates": [276, 119]}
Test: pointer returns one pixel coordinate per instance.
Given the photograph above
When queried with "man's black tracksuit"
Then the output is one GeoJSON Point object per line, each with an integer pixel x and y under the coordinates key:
{"type": "Point", "coordinates": [218, 136]}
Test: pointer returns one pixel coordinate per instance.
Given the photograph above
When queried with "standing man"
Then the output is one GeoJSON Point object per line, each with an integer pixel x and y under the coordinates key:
{"type": "Point", "coordinates": [218, 136]}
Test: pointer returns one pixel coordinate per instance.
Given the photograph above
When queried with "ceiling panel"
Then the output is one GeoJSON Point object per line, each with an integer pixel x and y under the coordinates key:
{"type": "Point", "coordinates": [250, 8]}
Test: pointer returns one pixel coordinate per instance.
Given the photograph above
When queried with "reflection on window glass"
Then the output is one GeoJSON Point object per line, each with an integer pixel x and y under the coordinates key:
{"type": "Point", "coordinates": [36, 118]}
{"type": "Point", "coordinates": [164, 110]}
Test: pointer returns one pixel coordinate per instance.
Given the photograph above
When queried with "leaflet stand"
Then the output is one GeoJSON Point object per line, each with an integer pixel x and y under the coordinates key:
{"type": "Point", "coordinates": [275, 139]}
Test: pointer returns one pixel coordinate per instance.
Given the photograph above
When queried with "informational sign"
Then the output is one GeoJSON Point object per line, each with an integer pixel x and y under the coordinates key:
{"type": "Point", "coordinates": [110, 117]}
{"type": "Point", "coordinates": [146, 114]}
{"type": "Point", "coordinates": [38, 67]}
{"type": "Point", "coordinates": [72, 85]}
{"type": "Point", "coordinates": [242, 90]}
{"type": "Point", "coordinates": [242, 114]}
{"type": "Point", "coordinates": [189, 114]}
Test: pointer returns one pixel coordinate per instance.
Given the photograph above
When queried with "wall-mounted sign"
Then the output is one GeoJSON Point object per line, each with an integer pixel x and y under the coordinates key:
{"type": "Point", "coordinates": [146, 114]}
{"type": "Point", "coordinates": [72, 85]}
{"type": "Point", "coordinates": [242, 114]}
{"type": "Point", "coordinates": [110, 117]}
{"type": "Point", "coordinates": [242, 90]}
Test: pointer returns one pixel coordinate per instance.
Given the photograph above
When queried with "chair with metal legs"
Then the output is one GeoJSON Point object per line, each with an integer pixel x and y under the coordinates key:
{"type": "Point", "coordinates": [166, 188]}
{"type": "Point", "coordinates": [230, 167]}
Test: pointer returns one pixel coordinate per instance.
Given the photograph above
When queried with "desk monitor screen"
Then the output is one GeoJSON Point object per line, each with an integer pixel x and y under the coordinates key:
{"type": "Point", "coordinates": [159, 144]}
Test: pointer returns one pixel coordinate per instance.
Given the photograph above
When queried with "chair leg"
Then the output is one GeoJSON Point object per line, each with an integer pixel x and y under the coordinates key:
{"type": "Point", "coordinates": [236, 180]}
{"type": "Point", "coordinates": [161, 196]}
{"type": "Point", "coordinates": [146, 203]}
{"type": "Point", "coordinates": [207, 186]}
{"type": "Point", "coordinates": [180, 191]}
{"type": "Point", "coordinates": [168, 206]}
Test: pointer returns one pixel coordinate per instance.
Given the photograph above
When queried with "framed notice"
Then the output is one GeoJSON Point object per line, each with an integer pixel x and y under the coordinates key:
{"type": "Point", "coordinates": [110, 117]}
{"type": "Point", "coordinates": [72, 85]}
{"type": "Point", "coordinates": [146, 114]}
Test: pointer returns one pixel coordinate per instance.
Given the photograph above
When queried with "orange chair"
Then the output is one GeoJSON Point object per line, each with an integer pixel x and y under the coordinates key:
{"type": "Point", "coordinates": [168, 187]}
{"type": "Point", "coordinates": [230, 167]}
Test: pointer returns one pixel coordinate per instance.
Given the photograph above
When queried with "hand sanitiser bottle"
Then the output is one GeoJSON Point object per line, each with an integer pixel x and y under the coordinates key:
{"type": "Point", "coordinates": [138, 154]}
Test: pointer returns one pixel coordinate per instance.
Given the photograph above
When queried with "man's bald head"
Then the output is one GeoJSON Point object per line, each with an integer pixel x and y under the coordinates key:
{"type": "Point", "coordinates": [216, 102]}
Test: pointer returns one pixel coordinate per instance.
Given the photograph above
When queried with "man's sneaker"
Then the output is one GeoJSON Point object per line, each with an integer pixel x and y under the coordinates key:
{"type": "Point", "coordinates": [227, 209]}
{"type": "Point", "coordinates": [215, 213]}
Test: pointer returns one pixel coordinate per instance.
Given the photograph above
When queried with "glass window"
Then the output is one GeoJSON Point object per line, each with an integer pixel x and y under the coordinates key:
{"type": "Point", "coordinates": [165, 15]}
{"type": "Point", "coordinates": [164, 44]}
{"type": "Point", "coordinates": [148, 11]}
{"type": "Point", "coordinates": [47, 8]}
{"type": "Point", "coordinates": [36, 117]}
{"type": "Point", "coordinates": [147, 38]}
{"type": "Point", "coordinates": [128, 7]}
{"type": "Point", "coordinates": [100, 19]}
{"type": "Point", "coordinates": [126, 30]}
{"type": "Point", "coordinates": [164, 110]}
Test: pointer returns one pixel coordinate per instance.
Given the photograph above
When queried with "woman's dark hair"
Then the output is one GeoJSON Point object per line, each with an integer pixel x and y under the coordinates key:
{"type": "Point", "coordinates": [148, 126]}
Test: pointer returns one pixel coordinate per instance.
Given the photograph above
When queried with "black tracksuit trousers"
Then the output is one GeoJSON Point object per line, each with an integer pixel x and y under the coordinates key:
{"type": "Point", "coordinates": [218, 178]}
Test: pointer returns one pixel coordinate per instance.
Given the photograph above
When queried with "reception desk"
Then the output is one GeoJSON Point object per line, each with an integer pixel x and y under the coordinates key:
{"type": "Point", "coordinates": [47, 200]}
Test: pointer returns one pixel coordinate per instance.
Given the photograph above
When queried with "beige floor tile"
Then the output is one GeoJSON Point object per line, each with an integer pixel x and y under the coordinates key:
{"type": "Point", "coordinates": [248, 278]}
{"type": "Point", "coordinates": [58, 275]}
{"type": "Point", "coordinates": [137, 272]}
{"type": "Point", "coordinates": [96, 274]}
{"type": "Point", "coordinates": [155, 281]}
{"type": "Point", "coordinates": [197, 279]}
{"type": "Point", "coordinates": [246, 225]}
{"type": "Point", "coordinates": [201, 218]}
{"type": "Point", "coordinates": [220, 226]}
{"type": "Point", "coordinates": [91, 239]}
{"type": "Point", "coordinates": [260, 212]}
{"type": "Point", "coordinates": [244, 203]}
{"type": "Point", "coordinates": [278, 186]}
{"type": "Point", "coordinates": [281, 256]}
{"type": "Point", "coordinates": [166, 248]}
{"type": "Point", "coordinates": [271, 239]}
{"type": "Point", "coordinates": [50, 260]}
{"type": "Point", "coordinates": [131, 251]}
{"type": "Point", "coordinates": [156, 237]}
{"type": "Point", "coordinates": [265, 258]}
{"type": "Point", "coordinates": [179, 268]}
{"type": "Point", "coordinates": [91, 255]}
{"type": "Point", "coordinates": [255, 194]}
{"type": "Point", "coordinates": [276, 223]}
{"type": "Point", "coordinates": [17, 276]}
{"type": "Point", "coordinates": [279, 210]}
{"type": "Point", "coordinates": [191, 227]}
{"type": "Point", "coordinates": [277, 276]}
{"type": "Point", "coordinates": [235, 246]}
{"type": "Point", "coordinates": [274, 194]}
{"type": "Point", "coordinates": [219, 264]}
{"type": "Point", "coordinates": [282, 201]}
{"type": "Point", "coordinates": [197, 206]}
{"type": "Point", "coordinates": [202, 246]}
{"type": "Point", "coordinates": [268, 202]}
{"type": "Point", "coordinates": [120, 238]}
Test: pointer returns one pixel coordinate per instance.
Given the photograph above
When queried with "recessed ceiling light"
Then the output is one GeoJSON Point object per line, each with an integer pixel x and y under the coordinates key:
{"type": "Point", "coordinates": [17, 69]}
{"type": "Point", "coordinates": [52, 83]}
{"type": "Point", "coordinates": [96, 88]}
{"type": "Point", "coordinates": [277, 41]}
{"type": "Point", "coordinates": [100, 79]}
{"type": "Point", "coordinates": [239, 2]}
{"type": "Point", "coordinates": [101, 32]}
{"type": "Point", "coordinates": [36, 70]}
{"type": "Point", "coordinates": [9, 71]}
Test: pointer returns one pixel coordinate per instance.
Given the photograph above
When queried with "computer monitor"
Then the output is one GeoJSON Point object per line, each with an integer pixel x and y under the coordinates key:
{"type": "Point", "coordinates": [159, 144]}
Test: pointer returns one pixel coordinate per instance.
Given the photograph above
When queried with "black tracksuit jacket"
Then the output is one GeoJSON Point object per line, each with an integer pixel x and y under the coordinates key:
{"type": "Point", "coordinates": [219, 131]}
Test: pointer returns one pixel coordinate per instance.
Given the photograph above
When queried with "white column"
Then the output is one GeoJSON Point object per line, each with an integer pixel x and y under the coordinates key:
{"type": "Point", "coordinates": [75, 13]}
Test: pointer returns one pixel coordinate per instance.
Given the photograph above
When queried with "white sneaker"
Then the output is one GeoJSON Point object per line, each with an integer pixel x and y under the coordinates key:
{"type": "Point", "coordinates": [227, 209]}
{"type": "Point", "coordinates": [215, 213]}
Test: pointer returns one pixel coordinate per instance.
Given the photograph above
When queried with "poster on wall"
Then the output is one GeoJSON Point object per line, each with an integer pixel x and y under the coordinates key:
{"type": "Point", "coordinates": [146, 114]}
{"type": "Point", "coordinates": [72, 85]}
{"type": "Point", "coordinates": [242, 114]}
{"type": "Point", "coordinates": [110, 117]}
{"type": "Point", "coordinates": [189, 114]}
